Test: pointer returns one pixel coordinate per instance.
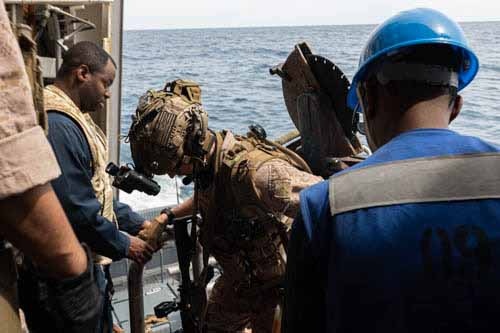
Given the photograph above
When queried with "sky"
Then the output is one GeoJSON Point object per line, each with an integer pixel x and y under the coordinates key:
{"type": "Point", "coordinates": [177, 14]}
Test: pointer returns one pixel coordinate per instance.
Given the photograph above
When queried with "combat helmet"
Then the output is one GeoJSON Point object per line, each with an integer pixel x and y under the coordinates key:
{"type": "Point", "coordinates": [169, 128]}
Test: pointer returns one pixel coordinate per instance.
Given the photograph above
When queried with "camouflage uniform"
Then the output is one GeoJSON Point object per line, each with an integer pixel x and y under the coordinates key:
{"type": "Point", "coordinates": [245, 239]}
{"type": "Point", "coordinates": [20, 136]}
{"type": "Point", "coordinates": [247, 193]}
{"type": "Point", "coordinates": [20, 140]}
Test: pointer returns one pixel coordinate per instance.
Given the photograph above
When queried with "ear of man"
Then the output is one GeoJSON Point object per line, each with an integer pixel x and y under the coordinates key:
{"type": "Point", "coordinates": [83, 73]}
{"type": "Point", "coordinates": [456, 107]}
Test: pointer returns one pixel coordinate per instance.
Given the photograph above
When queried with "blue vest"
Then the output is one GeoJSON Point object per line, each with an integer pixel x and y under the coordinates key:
{"type": "Point", "coordinates": [426, 267]}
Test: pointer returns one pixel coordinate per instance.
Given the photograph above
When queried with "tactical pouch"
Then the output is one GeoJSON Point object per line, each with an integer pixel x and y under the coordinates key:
{"type": "Point", "coordinates": [69, 305]}
{"type": "Point", "coordinates": [28, 48]}
{"type": "Point", "coordinates": [187, 89]}
{"type": "Point", "coordinates": [9, 314]}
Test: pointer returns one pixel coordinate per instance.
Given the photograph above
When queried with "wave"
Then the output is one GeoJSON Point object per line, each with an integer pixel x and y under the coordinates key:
{"type": "Point", "coordinates": [240, 100]}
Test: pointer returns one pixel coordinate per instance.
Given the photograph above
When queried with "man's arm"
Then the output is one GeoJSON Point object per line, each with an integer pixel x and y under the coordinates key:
{"type": "Point", "coordinates": [280, 184]}
{"type": "Point", "coordinates": [128, 220]}
{"type": "Point", "coordinates": [183, 209]}
{"type": "Point", "coordinates": [35, 223]}
{"type": "Point", "coordinates": [32, 218]}
{"type": "Point", "coordinates": [74, 190]}
{"type": "Point", "coordinates": [151, 230]}
{"type": "Point", "coordinates": [133, 223]}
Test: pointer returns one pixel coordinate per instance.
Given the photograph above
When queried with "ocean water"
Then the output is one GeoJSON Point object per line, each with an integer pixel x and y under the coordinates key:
{"type": "Point", "coordinates": [232, 66]}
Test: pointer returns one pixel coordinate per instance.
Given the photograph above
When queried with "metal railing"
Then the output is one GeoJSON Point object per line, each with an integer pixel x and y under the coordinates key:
{"type": "Point", "coordinates": [155, 269]}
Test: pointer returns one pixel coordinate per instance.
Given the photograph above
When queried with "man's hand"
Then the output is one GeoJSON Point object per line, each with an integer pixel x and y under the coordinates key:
{"type": "Point", "coordinates": [139, 251]}
{"type": "Point", "coordinates": [145, 225]}
{"type": "Point", "coordinates": [151, 231]}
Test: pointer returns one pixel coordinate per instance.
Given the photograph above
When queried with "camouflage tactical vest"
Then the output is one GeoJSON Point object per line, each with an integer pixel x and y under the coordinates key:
{"type": "Point", "coordinates": [244, 236]}
{"type": "Point", "coordinates": [56, 100]}
{"type": "Point", "coordinates": [28, 48]}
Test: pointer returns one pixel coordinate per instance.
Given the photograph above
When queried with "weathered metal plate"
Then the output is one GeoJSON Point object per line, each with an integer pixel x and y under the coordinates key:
{"type": "Point", "coordinates": [315, 92]}
{"type": "Point", "coordinates": [335, 84]}
{"type": "Point", "coordinates": [299, 79]}
{"type": "Point", "coordinates": [305, 72]}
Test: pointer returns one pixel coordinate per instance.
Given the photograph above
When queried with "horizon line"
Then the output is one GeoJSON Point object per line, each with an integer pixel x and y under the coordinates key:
{"type": "Point", "coordinates": [281, 26]}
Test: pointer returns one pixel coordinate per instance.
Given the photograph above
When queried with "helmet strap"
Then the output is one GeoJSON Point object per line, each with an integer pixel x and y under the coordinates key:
{"type": "Point", "coordinates": [361, 92]}
{"type": "Point", "coordinates": [208, 143]}
{"type": "Point", "coordinates": [201, 172]}
{"type": "Point", "coordinates": [430, 74]}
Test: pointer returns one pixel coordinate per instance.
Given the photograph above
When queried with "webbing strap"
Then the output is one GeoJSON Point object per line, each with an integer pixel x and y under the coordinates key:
{"type": "Point", "coordinates": [444, 178]}
{"type": "Point", "coordinates": [9, 304]}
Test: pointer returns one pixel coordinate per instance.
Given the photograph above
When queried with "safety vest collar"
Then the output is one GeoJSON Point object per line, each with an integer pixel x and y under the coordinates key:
{"type": "Point", "coordinates": [431, 179]}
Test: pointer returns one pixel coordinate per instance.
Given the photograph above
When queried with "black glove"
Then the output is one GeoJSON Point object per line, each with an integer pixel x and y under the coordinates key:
{"type": "Point", "coordinates": [77, 301]}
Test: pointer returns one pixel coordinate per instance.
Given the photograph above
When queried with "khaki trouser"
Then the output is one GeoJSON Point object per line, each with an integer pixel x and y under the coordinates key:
{"type": "Point", "coordinates": [9, 307]}
{"type": "Point", "coordinates": [229, 311]}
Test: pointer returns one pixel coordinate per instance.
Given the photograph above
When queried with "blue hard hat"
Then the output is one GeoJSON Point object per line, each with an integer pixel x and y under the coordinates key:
{"type": "Point", "coordinates": [411, 28]}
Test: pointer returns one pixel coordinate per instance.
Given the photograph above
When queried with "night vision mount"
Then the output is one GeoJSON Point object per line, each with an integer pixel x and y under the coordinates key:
{"type": "Point", "coordinates": [127, 179]}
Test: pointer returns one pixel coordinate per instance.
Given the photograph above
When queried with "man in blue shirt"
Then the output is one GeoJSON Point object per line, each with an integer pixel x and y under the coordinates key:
{"type": "Point", "coordinates": [84, 189]}
{"type": "Point", "coordinates": [406, 241]}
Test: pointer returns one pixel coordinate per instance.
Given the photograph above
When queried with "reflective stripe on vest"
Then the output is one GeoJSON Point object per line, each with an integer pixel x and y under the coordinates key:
{"type": "Point", "coordinates": [55, 100]}
{"type": "Point", "coordinates": [434, 179]}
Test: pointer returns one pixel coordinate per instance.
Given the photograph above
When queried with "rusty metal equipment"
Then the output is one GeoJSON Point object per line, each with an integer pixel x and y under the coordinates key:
{"type": "Point", "coordinates": [315, 92]}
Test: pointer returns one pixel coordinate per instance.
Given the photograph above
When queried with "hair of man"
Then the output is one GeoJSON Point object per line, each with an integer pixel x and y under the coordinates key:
{"type": "Point", "coordinates": [84, 53]}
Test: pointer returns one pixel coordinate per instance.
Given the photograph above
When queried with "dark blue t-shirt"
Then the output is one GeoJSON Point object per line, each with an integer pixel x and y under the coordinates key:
{"type": "Point", "coordinates": [428, 267]}
{"type": "Point", "coordinates": [75, 192]}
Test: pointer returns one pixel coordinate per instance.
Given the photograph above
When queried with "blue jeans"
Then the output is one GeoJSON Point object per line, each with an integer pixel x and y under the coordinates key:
{"type": "Point", "coordinates": [106, 320]}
